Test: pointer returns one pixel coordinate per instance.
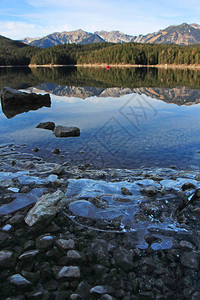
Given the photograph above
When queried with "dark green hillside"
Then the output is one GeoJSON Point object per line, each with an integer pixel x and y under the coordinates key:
{"type": "Point", "coordinates": [14, 52]}
{"type": "Point", "coordinates": [67, 54]}
{"type": "Point", "coordinates": [8, 44]}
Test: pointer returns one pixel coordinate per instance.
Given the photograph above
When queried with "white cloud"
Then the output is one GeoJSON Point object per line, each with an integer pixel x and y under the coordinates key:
{"type": "Point", "coordinates": [19, 30]}
{"type": "Point", "coordinates": [15, 29]}
{"type": "Point", "coordinates": [43, 17]}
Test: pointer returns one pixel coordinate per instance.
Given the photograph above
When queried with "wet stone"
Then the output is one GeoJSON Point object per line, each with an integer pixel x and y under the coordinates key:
{"type": "Point", "coordinates": [74, 256]}
{"type": "Point", "coordinates": [125, 191]}
{"type": "Point", "coordinates": [188, 186]}
{"type": "Point", "coordinates": [83, 289]}
{"type": "Point", "coordinates": [150, 209]}
{"type": "Point", "coordinates": [58, 170]}
{"type": "Point", "coordinates": [187, 244]}
{"type": "Point", "coordinates": [6, 258]}
{"type": "Point", "coordinates": [149, 238]}
{"type": "Point", "coordinates": [66, 244]}
{"type": "Point", "coordinates": [33, 277]}
{"type": "Point", "coordinates": [3, 238]}
{"type": "Point", "coordinates": [17, 218]}
{"type": "Point", "coordinates": [150, 191]}
{"type": "Point", "coordinates": [75, 297]}
{"type": "Point", "coordinates": [190, 260]}
{"type": "Point", "coordinates": [123, 258]}
{"type": "Point", "coordinates": [46, 125]}
{"type": "Point", "coordinates": [51, 285]}
{"type": "Point", "coordinates": [64, 131]}
{"type": "Point", "coordinates": [69, 272]}
{"type": "Point", "coordinates": [100, 290]}
{"type": "Point", "coordinates": [44, 241]}
{"type": "Point", "coordinates": [28, 255]}
{"type": "Point", "coordinates": [197, 211]}
{"type": "Point", "coordinates": [56, 151]}
{"type": "Point", "coordinates": [38, 295]}
{"type": "Point", "coordinates": [19, 281]}
{"type": "Point", "coordinates": [28, 245]}
{"type": "Point", "coordinates": [106, 297]}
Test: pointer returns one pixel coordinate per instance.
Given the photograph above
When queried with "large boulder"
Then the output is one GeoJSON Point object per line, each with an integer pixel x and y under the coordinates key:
{"type": "Point", "coordinates": [65, 131]}
{"type": "Point", "coordinates": [46, 208]}
{"type": "Point", "coordinates": [14, 102]}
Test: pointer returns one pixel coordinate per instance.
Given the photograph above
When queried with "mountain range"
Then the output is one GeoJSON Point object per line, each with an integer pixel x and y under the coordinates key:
{"type": "Point", "coordinates": [184, 34]}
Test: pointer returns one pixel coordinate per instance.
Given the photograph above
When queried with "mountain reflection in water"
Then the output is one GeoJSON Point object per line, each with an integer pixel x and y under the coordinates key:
{"type": "Point", "coordinates": [178, 95]}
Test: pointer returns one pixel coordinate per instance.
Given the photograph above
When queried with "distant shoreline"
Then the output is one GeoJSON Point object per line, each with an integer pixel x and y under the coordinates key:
{"type": "Point", "coordinates": [165, 66]}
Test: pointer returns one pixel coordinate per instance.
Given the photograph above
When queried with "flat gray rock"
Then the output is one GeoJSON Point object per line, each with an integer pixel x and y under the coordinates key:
{"type": "Point", "coordinates": [46, 125]}
{"type": "Point", "coordinates": [64, 131]}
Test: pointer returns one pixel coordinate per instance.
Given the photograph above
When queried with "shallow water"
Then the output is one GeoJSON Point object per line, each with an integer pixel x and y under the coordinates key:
{"type": "Point", "coordinates": [121, 127]}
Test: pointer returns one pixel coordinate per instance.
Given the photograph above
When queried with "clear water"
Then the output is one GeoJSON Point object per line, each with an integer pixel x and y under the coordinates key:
{"type": "Point", "coordinates": [127, 119]}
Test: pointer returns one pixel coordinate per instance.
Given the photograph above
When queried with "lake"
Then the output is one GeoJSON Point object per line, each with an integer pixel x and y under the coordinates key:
{"type": "Point", "coordinates": [128, 117]}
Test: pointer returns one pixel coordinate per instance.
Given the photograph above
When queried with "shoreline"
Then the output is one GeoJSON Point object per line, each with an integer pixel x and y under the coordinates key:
{"type": "Point", "coordinates": [103, 65]}
{"type": "Point", "coordinates": [48, 251]}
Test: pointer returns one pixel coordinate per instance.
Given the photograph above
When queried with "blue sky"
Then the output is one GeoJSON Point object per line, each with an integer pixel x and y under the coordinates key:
{"type": "Point", "coordinates": [36, 18]}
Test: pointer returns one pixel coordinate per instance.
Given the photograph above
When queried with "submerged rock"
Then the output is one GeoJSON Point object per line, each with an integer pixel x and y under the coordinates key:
{"type": "Point", "coordinates": [14, 102]}
{"type": "Point", "coordinates": [125, 191]}
{"type": "Point", "coordinates": [46, 208]}
{"type": "Point", "coordinates": [58, 170]}
{"type": "Point", "coordinates": [64, 131]}
{"type": "Point", "coordinates": [56, 151]}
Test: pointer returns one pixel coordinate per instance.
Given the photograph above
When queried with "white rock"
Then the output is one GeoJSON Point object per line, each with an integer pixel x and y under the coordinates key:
{"type": "Point", "coordinates": [46, 208]}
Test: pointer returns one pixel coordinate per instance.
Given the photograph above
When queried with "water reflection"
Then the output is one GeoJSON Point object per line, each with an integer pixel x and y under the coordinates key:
{"type": "Point", "coordinates": [20, 78]}
{"type": "Point", "coordinates": [122, 122]}
{"type": "Point", "coordinates": [11, 107]}
{"type": "Point", "coordinates": [178, 95]}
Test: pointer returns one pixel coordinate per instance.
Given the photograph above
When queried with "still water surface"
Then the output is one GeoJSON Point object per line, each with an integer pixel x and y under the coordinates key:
{"type": "Point", "coordinates": [128, 118]}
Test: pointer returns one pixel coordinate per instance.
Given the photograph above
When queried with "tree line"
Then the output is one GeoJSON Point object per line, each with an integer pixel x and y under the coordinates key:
{"type": "Point", "coordinates": [128, 53]}
{"type": "Point", "coordinates": [143, 54]}
{"type": "Point", "coordinates": [109, 53]}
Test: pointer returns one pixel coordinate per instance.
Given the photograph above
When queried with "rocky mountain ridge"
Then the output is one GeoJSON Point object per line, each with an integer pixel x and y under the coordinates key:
{"type": "Point", "coordinates": [183, 34]}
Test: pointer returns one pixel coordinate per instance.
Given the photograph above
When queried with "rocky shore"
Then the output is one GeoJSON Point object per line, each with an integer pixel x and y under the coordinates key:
{"type": "Point", "coordinates": [69, 232]}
